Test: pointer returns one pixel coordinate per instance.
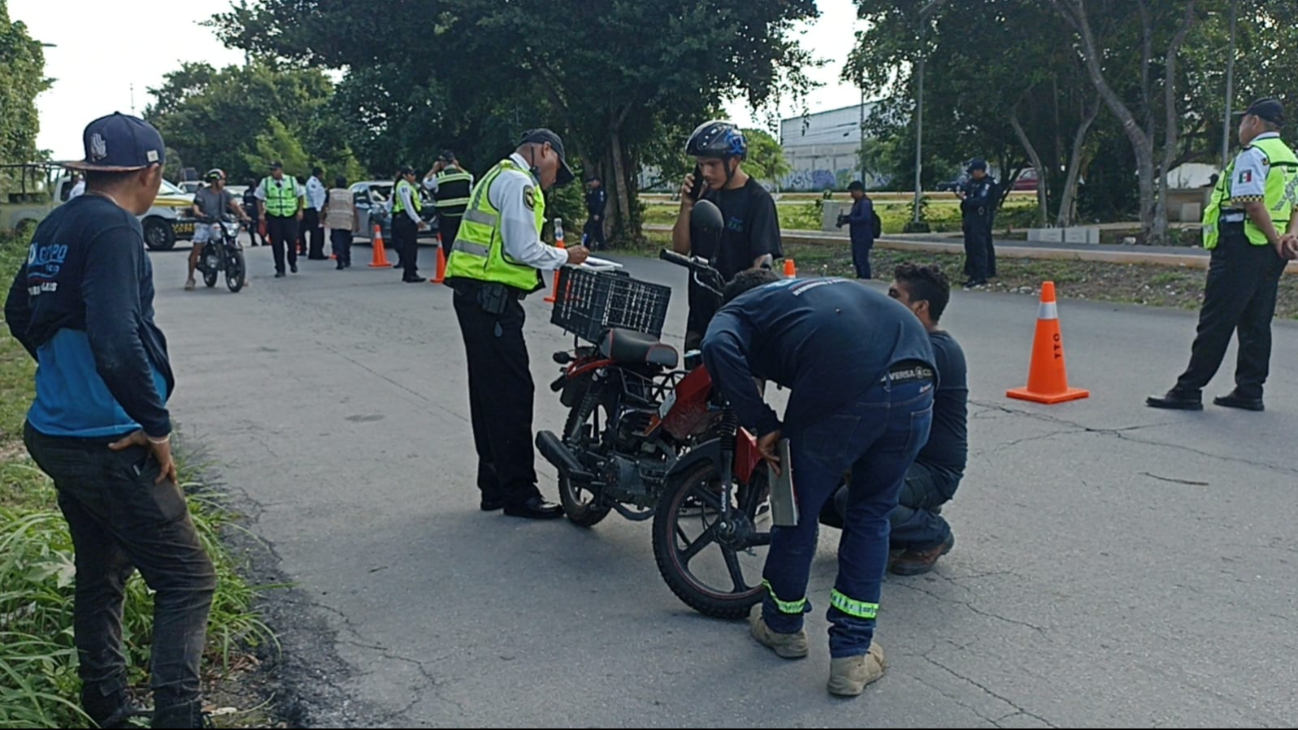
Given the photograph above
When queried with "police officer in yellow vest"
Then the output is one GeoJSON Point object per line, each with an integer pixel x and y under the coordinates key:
{"type": "Point", "coordinates": [281, 207]}
{"type": "Point", "coordinates": [1251, 227]}
{"type": "Point", "coordinates": [497, 259]}
{"type": "Point", "coordinates": [450, 185]}
{"type": "Point", "coordinates": [407, 222]}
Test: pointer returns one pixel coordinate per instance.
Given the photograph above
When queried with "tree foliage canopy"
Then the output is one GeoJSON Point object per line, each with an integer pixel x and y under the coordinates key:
{"type": "Point", "coordinates": [22, 78]}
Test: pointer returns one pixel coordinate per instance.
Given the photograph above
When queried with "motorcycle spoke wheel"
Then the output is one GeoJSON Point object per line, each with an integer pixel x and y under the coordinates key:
{"type": "Point", "coordinates": [580, 503]}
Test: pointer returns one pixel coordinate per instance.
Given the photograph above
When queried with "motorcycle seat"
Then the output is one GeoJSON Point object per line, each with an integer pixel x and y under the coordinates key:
{"type": "Point", "coordinates": [628, 346]}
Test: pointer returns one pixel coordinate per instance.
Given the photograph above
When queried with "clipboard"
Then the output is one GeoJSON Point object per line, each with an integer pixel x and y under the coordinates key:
{"type": "Point", "coordinates": [784, 498]}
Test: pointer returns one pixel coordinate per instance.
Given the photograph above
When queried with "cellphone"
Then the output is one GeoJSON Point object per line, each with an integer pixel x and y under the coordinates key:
{"type": "Point", "coordinates": [697, 190]}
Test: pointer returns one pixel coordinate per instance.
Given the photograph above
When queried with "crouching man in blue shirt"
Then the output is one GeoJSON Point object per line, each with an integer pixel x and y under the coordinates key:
{"type": "Point", "coordinates": [861, 374]}
{"type": "Point", "coordinates": [82, 305]}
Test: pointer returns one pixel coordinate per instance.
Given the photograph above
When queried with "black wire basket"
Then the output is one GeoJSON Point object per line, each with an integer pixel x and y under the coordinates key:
{"type": "Point", "coordinates": [589, 303]}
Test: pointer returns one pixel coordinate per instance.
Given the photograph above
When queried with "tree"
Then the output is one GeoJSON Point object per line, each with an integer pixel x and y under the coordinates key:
{"type": "Point", "coordinates": [615, 79]}
{"type": "Point", "coordinates": [22, 79]}
{"type": "Point", "coordinates": [241, 118]}
{"type": "Point", "coordinates": [765, 157]}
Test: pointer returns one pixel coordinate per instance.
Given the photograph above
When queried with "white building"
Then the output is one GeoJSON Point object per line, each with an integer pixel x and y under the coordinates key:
{"type": "Point", "coordinates": [824, 149]}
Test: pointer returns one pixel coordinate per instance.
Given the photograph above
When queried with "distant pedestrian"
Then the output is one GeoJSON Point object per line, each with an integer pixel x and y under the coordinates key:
{"type": "Point", "coordinates": [82, 305]}
{"type": "Point", "coordinates": [280, 198]}
{"type": "Point", "coordinates": [312, 221]}
{"type": "Point", "coordinates": [340, 217]}
{"type": "Point", "coordinates": [78, 186]}
{"type": "Point", "coordinates": [251, 207]}
{"type": "Point", "coordinates": [1251, 227]}
{"type": "Point", "coordinates": [596, 204]}
{"type": "Point", "coordinates": [861, 220]}
{"type": "Point", "coordinates": [978, 197]}
{"type": "Point", "coordinates": [450, 186]}
{"type": "Point", "coordinates": [407, 223]}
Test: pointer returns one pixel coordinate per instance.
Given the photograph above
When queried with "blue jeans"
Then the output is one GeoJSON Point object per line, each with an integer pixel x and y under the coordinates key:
{"type": "Point", "coordinates": [877, 438]}
{"type": "Point", "coordinates": [916, 523]}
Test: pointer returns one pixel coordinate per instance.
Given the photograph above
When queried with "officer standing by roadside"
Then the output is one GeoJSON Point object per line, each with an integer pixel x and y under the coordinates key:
{"type": "Point", "coordinates": [82, 305]}
{"type": "Point", "coordinates": [407, 223]}
{"type": "Point", "coordinates": [861, 221]}
{"type": "Point", "coordinates": [978, 197]}
{"type": "Point", "coordinates": [450, 186]}
{"type": "Point", "coordinates": [1251, 227]}
{"type": "Point", "coordinates": [281, 205]}
{"type": "Point", "coordinates": [497, 260]}
{"type": "Point", "coordinates": [860, 372]}
{"type": "Point", "coordinates": [596, 204]}
{"type": "Point", "coordinates": [312, 223]}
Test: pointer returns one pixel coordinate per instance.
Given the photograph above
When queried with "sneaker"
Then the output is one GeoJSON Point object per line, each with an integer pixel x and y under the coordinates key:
{"type": "Point", "coordinates": [849, 676]}
{"type": "Point", "coordinates": [785, 646]}
{"type": "Point", "coordinates": [189, 285]}
{"type": "Point", "coordinates": [919, 562]}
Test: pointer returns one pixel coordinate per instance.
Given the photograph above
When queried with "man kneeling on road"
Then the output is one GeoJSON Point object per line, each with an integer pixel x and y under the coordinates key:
{"type": "Point", "coordinates": [860, 369]}
{"type": "Point", "coordinates": [919, 533]}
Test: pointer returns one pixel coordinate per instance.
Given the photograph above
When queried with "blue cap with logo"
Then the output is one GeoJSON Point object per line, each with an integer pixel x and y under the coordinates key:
{"type": "Point", "coordinates": [120, 143]}
{"type": "Point", "coordinates": [977, 163]}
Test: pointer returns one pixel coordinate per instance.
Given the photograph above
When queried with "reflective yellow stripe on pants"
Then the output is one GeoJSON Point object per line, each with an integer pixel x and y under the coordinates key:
{"type": "Point", "coordinates": [853, 607]}
{"type": "Point", "coordinates": [796, 608]}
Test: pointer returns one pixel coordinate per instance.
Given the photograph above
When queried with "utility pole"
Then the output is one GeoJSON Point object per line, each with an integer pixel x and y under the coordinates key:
{"type": "Point", "coordinates": [132, 99]}
{"type": "Point", "coordinates": [1230, 89]}
{"type": "Point", "coordinates": [860, 152]}
{"type": "Point", "coordinates": [919, 105]}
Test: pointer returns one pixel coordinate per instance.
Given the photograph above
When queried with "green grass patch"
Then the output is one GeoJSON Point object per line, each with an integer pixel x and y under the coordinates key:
{"type": "Point", "coordinates": [38, 680]}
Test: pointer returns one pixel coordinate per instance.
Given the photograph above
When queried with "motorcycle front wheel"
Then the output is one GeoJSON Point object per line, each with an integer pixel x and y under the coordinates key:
{"type": "Point", "coordinates": [715, 568]}
{"type": "Point", "coordinates": [236, 271]}
{"type": "Point", "coordinates": [211, 263]}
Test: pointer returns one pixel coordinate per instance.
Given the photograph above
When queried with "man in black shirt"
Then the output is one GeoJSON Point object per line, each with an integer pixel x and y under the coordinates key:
{"type": "Point", "coordinates": [919, 533]}
{"type": "Point", "coordinates": [82, 305]}
{"type": "Point", "coordinates": [752, 235]}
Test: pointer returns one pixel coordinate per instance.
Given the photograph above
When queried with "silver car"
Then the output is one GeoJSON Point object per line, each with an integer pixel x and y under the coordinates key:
{"type": "Point", "coordinates": [373, 201]}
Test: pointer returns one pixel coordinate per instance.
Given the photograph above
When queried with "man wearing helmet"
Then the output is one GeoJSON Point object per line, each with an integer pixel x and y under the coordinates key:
{"type": "Point", "coordinates": [752, 235]}
{"type": "Point", "coordinates": [212, 203]}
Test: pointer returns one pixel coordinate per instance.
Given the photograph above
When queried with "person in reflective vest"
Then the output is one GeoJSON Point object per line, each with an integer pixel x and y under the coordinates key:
{"type": "Point", "coordinates": [450, 186]}
{"type": "Point", "coordinates": [407, 223]}
{"type": "Point", "coordinates": [1251, 227]}
{"type": "Point", "coordinates": [496, 260]}
{"type": "Point", "coordinates": [281, 206]}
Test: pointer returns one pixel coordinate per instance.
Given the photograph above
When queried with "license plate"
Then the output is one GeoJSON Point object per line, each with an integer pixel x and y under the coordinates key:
{"type": "Point", "coordinates": [666, 407]}
{"type": "Point", "coordinates": [182, 228]}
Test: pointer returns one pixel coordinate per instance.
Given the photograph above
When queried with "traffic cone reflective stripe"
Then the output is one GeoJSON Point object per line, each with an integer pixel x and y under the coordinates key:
{"type": "Point", "coordinates": [1047, 375]}
{"type": "Point", "coordinates": [380, 260]}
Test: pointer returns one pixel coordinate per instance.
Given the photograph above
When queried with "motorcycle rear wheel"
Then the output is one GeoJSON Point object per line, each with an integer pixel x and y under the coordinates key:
{"type": "Point", "coordinates": [582, 432]}
{"type": "Point", "coordinates": [718, 572]}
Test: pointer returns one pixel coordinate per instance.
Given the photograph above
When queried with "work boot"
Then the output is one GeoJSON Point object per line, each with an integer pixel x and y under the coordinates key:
{"type": "Point", "coordinates": [1242, 402]}
{"type": "Point", "coordinates": [785, 646]}
{"type": "Point", "coordinates": [919, 562]}
{"type": "Point", "coordinates": [849, 676]}
{"type": "Point", "coordinates": [188, 715]}
{"type": "Point", "coordinates": [1177, 400]}
{"type": "Point", "coordinates": [113, 710]}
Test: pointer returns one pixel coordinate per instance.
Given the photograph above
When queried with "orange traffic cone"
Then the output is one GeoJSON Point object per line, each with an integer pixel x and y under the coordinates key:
{"type": "Point", "coordinates": [1047, 376]}
{"type": "Point", "coordinates": [558, 242]}
{"type": "Point", "coordinates": [380, 260]}
{"type": "Point", "coordinates": [441, 262]}
{"type": "Point", "coordinates": [790, 270]}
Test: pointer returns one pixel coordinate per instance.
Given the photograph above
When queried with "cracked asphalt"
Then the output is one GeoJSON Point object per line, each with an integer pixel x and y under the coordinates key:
{"type": "Point", "coordinates": [1114, 565]}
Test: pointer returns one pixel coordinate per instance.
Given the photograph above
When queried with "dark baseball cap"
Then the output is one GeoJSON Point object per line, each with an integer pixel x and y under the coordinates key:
{"type": "Point", "coordinates": [977, 163]}
{"type": "Point", "coordinates": [277, 166]}
{"type": "Point", "coordinates": [1269, 109]}
{"type": "Point", "coordinates": [120, 143]}
{"type": "Point", "coordinates": [447, 156]}
{"type": "Point", "coordinates": [541, 136]}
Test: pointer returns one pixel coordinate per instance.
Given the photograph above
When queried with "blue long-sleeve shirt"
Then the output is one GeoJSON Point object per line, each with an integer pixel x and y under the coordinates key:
{"type": "Point", "coordinates": [827, 340]}
{"type": "Point", "coordinates": [82, 305]}
{"type": "Point", "coordinates": [860, 221]}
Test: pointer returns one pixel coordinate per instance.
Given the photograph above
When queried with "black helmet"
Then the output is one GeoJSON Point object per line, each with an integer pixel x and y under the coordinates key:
{"type": "Point", "coordinates": [717, 139]}
{"type": "Point", "coordinates": [706, 217]}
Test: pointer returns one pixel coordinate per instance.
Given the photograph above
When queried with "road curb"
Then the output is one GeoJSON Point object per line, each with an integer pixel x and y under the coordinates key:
{"type": "Point", "coordinates": [1155, 258]}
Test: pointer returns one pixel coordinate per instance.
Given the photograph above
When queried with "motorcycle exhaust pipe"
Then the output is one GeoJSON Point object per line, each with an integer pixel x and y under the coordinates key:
{"type": "Point", "coordinates": [559, 456]}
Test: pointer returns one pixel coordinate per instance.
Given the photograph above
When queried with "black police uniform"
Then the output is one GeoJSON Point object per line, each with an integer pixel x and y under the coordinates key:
{"type": "Point", "coordinates": [977, 211]}
{"type": "Point", "coordinates": [596, 203]}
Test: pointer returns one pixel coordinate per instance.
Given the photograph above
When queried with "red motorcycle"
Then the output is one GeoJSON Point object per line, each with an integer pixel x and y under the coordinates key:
{"type": "Point", "coordinates": [651, 441]}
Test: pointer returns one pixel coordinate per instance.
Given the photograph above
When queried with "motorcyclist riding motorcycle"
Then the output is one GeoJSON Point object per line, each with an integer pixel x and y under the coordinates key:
{"type": "Point", "coordinates": [212, 205]}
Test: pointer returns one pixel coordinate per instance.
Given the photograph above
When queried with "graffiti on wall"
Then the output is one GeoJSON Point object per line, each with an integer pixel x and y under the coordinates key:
{"type": "Point", "coordinates": [806, 181]}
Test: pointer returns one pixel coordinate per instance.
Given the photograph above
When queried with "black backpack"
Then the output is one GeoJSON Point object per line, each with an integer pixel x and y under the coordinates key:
{"type": "Point", "coordinates": [876, 224]}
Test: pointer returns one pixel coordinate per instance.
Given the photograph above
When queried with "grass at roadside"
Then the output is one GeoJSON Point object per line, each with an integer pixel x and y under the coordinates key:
{"type": "Point", "coordinates": [1146, 284]}
{"type": "Point", "coordinates": [942, 213]}
{"type": "Point", "coordinates": [38, 684]}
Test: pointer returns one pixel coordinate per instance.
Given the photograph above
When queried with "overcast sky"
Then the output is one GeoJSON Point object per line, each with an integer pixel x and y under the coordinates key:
{"type": "Point", "coordinates": [104, 48]}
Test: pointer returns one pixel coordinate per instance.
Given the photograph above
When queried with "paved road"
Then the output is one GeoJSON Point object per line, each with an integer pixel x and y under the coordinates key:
{"type": "Point", "coordinates": [1114, 565]}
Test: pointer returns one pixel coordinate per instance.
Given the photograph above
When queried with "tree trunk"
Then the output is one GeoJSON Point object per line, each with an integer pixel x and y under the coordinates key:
{"type": "Point", "coordinates": [1042, 200]}
{"type": "Point", "coordinates": [620, 195]}
{"type": "Point", "coordinates": [1068, 202]}
{"type": "Point", "coordinates": [1170, 142]}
